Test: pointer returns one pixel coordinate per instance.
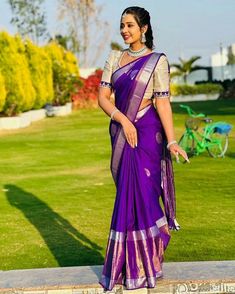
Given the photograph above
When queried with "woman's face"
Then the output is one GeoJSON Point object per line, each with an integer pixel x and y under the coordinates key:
{"type": "Point", "coordinates": [130, 29]}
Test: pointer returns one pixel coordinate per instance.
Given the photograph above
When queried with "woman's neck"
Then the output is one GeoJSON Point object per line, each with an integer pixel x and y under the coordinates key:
{"type": "Point", "coordinates": [136, 46]}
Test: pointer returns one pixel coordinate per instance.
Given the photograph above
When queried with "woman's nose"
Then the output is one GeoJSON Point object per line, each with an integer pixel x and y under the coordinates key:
{"type": "Point", "coordinates": [124, 30]}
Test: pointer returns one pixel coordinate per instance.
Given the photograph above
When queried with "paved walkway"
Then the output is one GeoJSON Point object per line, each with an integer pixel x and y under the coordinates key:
{"type": "Point", "coordinates": [179, 277]}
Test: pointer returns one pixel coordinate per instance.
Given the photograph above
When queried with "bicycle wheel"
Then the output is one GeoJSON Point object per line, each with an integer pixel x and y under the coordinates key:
{"type": "Point", "coordinates": [187, 143]}
{"type": "Point", "coordinates": [217, 144]}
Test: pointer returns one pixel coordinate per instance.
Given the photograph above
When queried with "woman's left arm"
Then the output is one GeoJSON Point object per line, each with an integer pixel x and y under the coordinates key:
{"type": "Point", "coordinates": [161, 82]}
{"type": "Point", "coordinates": [165, 113]}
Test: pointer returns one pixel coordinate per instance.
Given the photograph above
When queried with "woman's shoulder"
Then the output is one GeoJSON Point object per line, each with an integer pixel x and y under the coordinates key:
{"type": "Point", "coordinates": [162, 64]}
{"type": "Point", "coordinates": [114, 55]}
{"type": "Point", "coordinates": [113, 52]}
{"type": "Point", "coordinates": [163, 56]}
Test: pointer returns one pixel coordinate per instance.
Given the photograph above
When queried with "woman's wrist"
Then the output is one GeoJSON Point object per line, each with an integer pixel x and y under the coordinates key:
{"type": "Point", "coordinates": [122, 118]}
{"type": "Point", "coordinates": [118, 116]}
{"type": "Point", "coordinates": [113, 113]}
{"type": "Point", "coordinates": [172, 142]}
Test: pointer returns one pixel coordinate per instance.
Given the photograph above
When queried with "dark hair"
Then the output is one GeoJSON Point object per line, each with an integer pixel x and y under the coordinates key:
{"type": "Point", "coordinates": [142, 18]}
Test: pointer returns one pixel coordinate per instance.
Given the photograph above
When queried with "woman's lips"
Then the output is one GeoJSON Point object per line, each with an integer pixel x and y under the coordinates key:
{"type": "Point", "coordinates": [126, 37]}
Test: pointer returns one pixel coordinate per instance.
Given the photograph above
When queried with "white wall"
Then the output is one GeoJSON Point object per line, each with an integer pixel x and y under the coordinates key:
{"type": "Point", "coordinates": [85, 72]}
{"type": "Point", "coordinates": [219, 59]}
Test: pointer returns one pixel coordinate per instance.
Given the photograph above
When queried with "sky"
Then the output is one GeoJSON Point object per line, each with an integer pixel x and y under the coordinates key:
{"type": "Point", "coordinates": [182, 28]}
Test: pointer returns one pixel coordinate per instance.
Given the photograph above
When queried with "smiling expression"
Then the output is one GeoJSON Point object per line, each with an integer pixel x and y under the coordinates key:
{"type": "Point", "coordinates": [130, 30]}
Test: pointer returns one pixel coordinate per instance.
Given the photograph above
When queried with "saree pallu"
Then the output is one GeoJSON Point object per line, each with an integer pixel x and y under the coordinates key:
{"type": "Point", "coordinates": [139, 231]}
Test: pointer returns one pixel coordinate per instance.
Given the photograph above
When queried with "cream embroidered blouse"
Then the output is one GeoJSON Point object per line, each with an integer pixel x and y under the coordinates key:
{"type": "Point", "coordinates": [159, 84]}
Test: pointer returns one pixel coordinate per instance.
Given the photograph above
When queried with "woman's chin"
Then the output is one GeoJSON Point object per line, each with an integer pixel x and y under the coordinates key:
{"type": "Point", "coordinates": [128, 42]}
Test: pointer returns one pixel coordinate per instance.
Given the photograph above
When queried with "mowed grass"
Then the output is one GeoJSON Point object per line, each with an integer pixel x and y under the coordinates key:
{"type": "Point", "coordinates": [57, 193]}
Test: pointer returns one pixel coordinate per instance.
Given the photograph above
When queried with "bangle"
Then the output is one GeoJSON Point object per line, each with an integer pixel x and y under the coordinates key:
{"type": "Point", "coordinates": [113, 112]}
{"type": "Point", "coordinates": [171, 143]}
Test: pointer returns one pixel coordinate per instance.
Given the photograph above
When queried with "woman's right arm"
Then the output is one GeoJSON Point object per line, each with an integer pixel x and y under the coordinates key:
{"type": "Point", "coordinates": [108, 107]}
{"type": "Point", "coordinates": [104, 102]}
{"type": "Point", "coordinates": [105, 90]}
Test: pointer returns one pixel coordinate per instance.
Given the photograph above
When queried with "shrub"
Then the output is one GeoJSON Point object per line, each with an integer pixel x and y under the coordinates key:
{"type": "Point", "coordinates": [65, 72]}
{"type": "Point", "coordinates": [195, 89]}
{"type": "Point", "coordinates": [14, 67]}
{"type": "Point", "coordinates": [71, 64]}
{"type": "Point", "coordinates": [3, 92]}
{"type": "Point", "coordinates": [87, 94]}
{"type": "Point", "coordinates": [228, 88]}
{"type": "Point", "coordinates": [40, 67]}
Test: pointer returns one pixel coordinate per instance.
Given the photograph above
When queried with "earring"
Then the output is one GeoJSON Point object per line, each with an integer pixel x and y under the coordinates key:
{"type": "Point", "coordinates": [143, 38]}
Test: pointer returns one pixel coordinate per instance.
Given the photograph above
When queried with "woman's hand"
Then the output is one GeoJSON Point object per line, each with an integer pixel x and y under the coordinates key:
{"type": "Point", "coordinates": [130, 132]}
{"type": "Point", "coordinates": [176, 150]}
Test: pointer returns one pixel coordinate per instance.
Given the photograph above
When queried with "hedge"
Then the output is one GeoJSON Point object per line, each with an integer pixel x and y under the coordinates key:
{"type": "Point", "coordinates": [3, 92]}
{"type": "Point", "coordinates": [87, 92]}
{"type": "Point", "coordinates": [40, 67]}
{"type": "Point", "coordinates": [14, 67]}
{"type": "Point", "coordinates": [65, 72]}
{"type": "Point", "coordinates": [31, 76]}
{"type": "Point", "coordinates": [195, 89]}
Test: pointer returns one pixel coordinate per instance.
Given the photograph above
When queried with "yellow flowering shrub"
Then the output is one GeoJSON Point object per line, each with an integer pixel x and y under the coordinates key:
{"type": "Point", "coordinates": [31, 76]}
{"type": "Point", "coordinates": [14, 67]}
{"type": "Point", "coordinates": [71, 63]}
{"type": "Point", "coordinates": [40, 67]}
{"type": "Point", "coordinates": [65, 72]}
{"type": "Point", "coordinates": [3, 92]}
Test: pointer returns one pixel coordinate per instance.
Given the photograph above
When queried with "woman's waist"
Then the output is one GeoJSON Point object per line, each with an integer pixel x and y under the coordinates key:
{"type": "Point", "coordinates": [144, 103]}
{"type": "Point", "coordinates": [149, 112]}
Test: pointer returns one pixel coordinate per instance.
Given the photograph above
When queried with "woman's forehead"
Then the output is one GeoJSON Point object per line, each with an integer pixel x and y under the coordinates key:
{"type": "Point", "coordinates": [127, 18]}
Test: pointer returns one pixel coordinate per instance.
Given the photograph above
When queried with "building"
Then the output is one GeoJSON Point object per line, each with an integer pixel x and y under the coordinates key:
{"type": "Point", "coordinates": [221, 58]}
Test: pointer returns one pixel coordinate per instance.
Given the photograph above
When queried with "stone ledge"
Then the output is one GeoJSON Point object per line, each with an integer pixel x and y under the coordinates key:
{"type": "Point", "coordinates": [193, 98]}
{"type": "Point", "coordinates": [26, 118]}
{"type": "Point", "coordinates": [212, 276]}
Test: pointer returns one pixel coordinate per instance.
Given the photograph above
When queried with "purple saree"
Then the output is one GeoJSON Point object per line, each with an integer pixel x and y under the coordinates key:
{"type": "Point", "coordinates": [139, 231]}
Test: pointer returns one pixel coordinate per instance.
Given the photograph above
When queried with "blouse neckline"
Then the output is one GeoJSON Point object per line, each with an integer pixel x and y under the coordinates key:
{"type": "Point", "coordinates": [120, 66]}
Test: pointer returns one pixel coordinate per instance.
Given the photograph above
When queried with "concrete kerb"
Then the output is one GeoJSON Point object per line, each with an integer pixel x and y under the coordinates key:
{"type": "Point", "coordinates": [179, 277]}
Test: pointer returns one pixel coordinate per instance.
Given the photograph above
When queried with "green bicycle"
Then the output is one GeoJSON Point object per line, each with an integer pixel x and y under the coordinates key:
{"type": "Point", "coordinates": [213, 138]}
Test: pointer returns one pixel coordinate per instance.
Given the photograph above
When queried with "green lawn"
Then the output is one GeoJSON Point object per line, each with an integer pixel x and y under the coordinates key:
{"type": "Point", "coordinates": [57, 193]}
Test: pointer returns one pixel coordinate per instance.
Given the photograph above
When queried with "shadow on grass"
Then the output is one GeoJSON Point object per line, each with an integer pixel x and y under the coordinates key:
{"type": "Point", "coordinates": [69, 247]}
{"type": "Point", "coordinates": [230, 154]}
{"type": "Point", "coordinates": [215, 107]}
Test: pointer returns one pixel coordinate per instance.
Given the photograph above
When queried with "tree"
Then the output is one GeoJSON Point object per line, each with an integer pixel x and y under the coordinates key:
{"type": "Point", "coordinates": [29, 18]}
{"type": "Point", "coordinates": [61, 40]}
{"type": "Point", "coordinates": [116, 46]}
{"type": "Point", "coordinates": [231, 58]}
{"type": "Point", "coordinates": [185, 67]}
{"type": "Point", "coordinates": [83, 17]}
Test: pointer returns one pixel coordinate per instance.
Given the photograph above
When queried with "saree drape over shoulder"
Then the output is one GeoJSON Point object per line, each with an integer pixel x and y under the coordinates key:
{"type": "Point", "coordinates": [139, 232]}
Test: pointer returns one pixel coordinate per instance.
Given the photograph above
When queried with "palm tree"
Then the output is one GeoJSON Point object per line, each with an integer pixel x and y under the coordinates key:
{"type": "Point", "coordinates": [185, 67]}
{"type": "Point", "coordinates": [116, 46]}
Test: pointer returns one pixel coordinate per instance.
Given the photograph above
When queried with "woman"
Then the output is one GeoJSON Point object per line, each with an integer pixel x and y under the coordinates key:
{"type": "Point", "coordinates": [141, 127]}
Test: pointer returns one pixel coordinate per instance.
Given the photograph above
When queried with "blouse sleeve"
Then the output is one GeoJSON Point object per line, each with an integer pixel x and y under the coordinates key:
{"type": "Point", "coordinates": [107, 71]}
{"type": "Point", "coordinates": [161, 79]}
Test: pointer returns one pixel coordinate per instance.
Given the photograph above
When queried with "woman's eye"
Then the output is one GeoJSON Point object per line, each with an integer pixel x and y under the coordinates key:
{"type": "Point", "coordinates": [129, 26]}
